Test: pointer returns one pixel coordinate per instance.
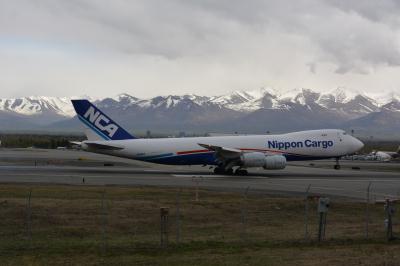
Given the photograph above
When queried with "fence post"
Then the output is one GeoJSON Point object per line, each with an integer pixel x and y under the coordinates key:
{"type": "Point", "coordinates": [29, 217]}
{"type": "Point", "coordinates": [306, 213]}
{"type": "Point", "coordinates": [164, 226]}
{"type": "Point", "coordinates": [244, 214]}
{"type": "Point", "coordinates": [197, 180]}
{"type": "Point", "coordinates": [323, 206]}
{"type": "Point", "coordinates": [104, 221]}
{"type": "Point", "coordinates": [389, 209]}
{"type": "Point", "coordinates": [367, 212]}
{"type": "Point", "coordinates": [178, 221]}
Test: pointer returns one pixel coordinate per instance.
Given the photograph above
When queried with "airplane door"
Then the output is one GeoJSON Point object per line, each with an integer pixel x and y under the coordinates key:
{"type": "Point", "coordinates": [339, 136]}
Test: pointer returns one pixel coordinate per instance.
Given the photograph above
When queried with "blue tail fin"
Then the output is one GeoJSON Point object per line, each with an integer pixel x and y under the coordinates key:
{"type": "Point", "coordinates": [98, 122]}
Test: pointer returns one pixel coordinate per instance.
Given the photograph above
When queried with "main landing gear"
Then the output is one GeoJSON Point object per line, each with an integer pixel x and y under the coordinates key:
{"type": "Point", "coordinates": [337, 165]}
{"type": "Point", "coordinates": [221, 171]}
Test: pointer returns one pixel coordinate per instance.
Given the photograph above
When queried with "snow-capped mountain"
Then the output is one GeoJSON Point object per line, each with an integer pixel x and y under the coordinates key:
{"type": "Point", "coordinates": [37, 105]}
{"type": "Point", "coordinates": [252, 110]}
{"type": "Point", "coordinates": [340, 100]}
{"type": "Point", "coordinates": [248, 101]}
{"type": "Point", "coordinates": [40, 105]}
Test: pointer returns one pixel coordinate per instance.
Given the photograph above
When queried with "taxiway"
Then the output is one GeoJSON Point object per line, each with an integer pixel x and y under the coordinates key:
{"type": "Point", "coordinates": [77, 167]}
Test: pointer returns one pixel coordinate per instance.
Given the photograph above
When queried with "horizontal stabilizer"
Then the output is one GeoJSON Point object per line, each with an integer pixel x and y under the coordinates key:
{"type": "Point", "coordinates": [103, 146]}
{"type": "Point", "coordinates": [77, 143]}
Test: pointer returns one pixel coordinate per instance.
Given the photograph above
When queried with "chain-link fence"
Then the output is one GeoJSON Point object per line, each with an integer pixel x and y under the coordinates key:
{"type": "Point", "coordinates": [130, 218]}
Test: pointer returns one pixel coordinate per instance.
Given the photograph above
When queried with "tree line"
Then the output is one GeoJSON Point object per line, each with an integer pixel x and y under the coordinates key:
{"type": "Point", "coordinates": [37, 141]}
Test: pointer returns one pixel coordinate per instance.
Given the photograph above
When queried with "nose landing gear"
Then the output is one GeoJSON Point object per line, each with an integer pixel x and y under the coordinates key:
{"type": "Point", "coordinates": [337, 165]}
{"type": "Point", "coordinates": [241, 172]}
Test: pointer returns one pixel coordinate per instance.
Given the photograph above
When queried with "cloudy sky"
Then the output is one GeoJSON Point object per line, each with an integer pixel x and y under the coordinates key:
{"type": "Point", "coordinates": [148, 48]}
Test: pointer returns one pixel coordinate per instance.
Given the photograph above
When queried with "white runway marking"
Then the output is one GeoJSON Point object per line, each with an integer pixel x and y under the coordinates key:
{"type": "Point", "coordinates": [56, 175]}
{"type": "Point", "coordinates": [212, 176]}
{"type": "Point", "coordinates": [336, 180]}
{"type": "Point", "coordinates": [199, 176]}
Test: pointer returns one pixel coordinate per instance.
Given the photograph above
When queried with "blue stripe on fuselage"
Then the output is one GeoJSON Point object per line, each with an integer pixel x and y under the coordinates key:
{"type": "Point", "coordinates": [152, 157]}
{"type": "Point", "coordinates": [187, 159]}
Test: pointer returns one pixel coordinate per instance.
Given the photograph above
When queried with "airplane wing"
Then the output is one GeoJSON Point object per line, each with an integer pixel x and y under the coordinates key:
{"type": "Point", "coordinates": [223, 153]}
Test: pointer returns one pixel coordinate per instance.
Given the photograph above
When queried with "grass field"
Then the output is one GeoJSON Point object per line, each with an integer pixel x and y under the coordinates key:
{"type": "Point", "coordinates": [93, 225]}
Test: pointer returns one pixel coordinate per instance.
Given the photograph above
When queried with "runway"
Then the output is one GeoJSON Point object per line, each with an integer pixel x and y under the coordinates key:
{"type": "Point", "coordinates": [74, 167]}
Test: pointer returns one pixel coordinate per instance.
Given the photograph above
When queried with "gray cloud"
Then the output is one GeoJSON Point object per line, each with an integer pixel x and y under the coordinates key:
{"type": "Point", "coordinates": [234, 43]}
{"type": "Point", "coordinates": [379, 11]}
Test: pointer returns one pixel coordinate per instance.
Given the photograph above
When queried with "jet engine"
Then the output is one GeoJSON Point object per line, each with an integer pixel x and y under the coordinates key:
{"type": "Point", "coordinates": [259, 159]}
{"type": "Point", "coordinates": [275, 162]}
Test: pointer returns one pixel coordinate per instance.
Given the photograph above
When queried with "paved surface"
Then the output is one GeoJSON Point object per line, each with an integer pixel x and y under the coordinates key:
{"type": "Point", "coordinates": [71, 167]}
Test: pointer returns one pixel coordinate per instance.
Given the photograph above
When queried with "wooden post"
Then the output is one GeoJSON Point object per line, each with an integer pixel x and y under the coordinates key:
{"type": "Point", "coordinates": [164, 226]}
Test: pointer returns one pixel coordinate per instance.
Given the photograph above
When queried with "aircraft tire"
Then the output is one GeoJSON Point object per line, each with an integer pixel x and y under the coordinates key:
{"type": "Point", "coordinates": [229, 172]}
{"type": "Point", "coordinates": [241, 172]}
{"type": "Point", "coordinates": [222, 171]}
{"type": "Point", "coordinates": [218, 170]}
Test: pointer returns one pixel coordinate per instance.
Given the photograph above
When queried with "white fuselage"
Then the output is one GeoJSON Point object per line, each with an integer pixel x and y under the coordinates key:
{"type": "Point", "coordinates": [386, 155]}
{"type": "Point", "coordinates": [303, 145]}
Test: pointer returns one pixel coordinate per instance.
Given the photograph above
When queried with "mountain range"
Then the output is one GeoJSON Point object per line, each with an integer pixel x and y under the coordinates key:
{"type": "Point", "coordinates": [253, 111]}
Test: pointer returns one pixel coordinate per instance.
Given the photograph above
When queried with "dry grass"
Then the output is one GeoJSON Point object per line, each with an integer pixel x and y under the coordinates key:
{"type": "Point", "coordinates": [68, 226]}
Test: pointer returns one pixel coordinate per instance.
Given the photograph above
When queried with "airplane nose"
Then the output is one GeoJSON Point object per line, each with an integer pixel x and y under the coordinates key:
{"type": "Point", "coordinates": [357, 144]}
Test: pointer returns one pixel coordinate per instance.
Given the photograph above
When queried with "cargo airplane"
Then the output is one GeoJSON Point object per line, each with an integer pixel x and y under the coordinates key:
{"type": "Point", "coordinates": [229, 154]}
{"type": "Point", "coordinates": [386, 155]}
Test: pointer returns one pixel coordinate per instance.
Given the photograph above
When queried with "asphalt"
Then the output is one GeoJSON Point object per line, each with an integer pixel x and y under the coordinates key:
{"type": "Point", "coordinates": [81, 168]}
